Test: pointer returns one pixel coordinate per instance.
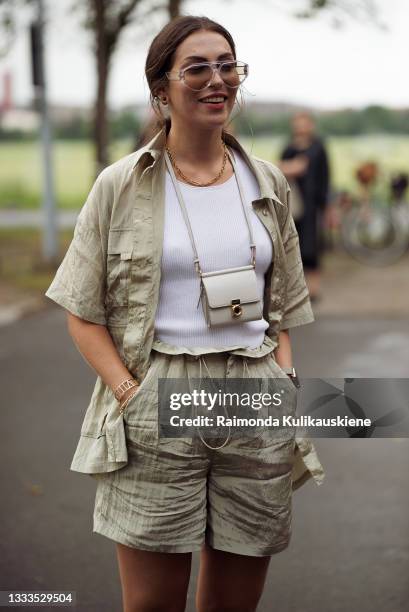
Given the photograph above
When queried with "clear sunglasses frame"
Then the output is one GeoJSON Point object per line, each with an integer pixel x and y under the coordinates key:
{"type": "Point", "coordinates": [215, 66]}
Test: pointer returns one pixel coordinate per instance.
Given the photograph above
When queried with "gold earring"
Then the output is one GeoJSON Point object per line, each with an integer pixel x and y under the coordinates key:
{"type": "Point", "coordinates": [164, 101]}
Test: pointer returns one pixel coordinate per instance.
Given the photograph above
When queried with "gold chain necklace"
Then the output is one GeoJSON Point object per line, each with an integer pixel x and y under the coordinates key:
{"type": "Point", "coordinates": [216, 178]}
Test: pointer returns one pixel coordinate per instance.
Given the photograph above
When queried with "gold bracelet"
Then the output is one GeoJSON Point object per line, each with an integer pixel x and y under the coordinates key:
{"type": "Point", "coordinates": [124, 386]}
{"type": "Point", "coordinates": [126, 402]}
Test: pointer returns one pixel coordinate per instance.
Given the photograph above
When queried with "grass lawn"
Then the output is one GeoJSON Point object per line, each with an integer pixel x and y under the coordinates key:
{"type": "Point", "coordinates": [21, 174]}
{"type": "Point", "coordinates": [21, 263]}
{"type": "Point", "coordinates": [20, 165]}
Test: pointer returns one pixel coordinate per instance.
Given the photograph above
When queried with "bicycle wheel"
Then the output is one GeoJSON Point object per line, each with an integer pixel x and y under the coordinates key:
{"type": "Point", "coordinates": [378, 240]}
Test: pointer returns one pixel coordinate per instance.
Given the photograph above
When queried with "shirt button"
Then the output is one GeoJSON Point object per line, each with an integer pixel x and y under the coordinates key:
{"type": "Point", "coordinates": [265, 212]}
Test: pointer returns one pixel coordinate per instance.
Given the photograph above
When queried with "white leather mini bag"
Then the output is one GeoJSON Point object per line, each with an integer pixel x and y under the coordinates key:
{"type": "Point", "coordinates": [228, 296]}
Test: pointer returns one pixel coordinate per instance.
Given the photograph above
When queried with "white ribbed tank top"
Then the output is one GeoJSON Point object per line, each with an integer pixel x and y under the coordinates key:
{"type": "Point", "coordinates": [222, 241]}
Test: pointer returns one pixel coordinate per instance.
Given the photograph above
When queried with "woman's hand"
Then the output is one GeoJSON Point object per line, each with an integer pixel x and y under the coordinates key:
{"type": "Point", "coordinates": [292, 168]}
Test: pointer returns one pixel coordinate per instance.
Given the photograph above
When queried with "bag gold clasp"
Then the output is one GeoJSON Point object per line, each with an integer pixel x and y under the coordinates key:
{"type": "Point", "coordinates": [236, 309]}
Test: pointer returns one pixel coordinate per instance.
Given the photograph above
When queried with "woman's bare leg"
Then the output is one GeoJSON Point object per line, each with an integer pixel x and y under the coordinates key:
{"type": "Point", "coordinates": [229, 582]}
{"type": "Point", "coordinates": [153, 581]}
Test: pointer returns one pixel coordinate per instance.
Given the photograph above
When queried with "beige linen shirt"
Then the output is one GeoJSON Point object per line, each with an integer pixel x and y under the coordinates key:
{"type": "Point", "coordinates": [111, 272]}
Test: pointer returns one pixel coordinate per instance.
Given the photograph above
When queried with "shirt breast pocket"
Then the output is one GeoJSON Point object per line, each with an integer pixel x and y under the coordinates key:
{"type": "Point", "coordinates": [119, 261]}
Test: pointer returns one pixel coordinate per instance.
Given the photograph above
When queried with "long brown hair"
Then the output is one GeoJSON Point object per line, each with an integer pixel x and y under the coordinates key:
{"type": "Point", "coordinates": [162, 50]}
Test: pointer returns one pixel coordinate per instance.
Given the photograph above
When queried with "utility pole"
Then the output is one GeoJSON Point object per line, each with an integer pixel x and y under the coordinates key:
{"type": "Point", "coordinates": [50, 243]}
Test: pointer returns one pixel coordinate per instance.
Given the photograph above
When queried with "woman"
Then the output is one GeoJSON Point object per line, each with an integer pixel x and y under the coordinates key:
{"type": "Point", "coordinates": [304, 160]}
{"type": "Point", "coordinates": [131, 289]}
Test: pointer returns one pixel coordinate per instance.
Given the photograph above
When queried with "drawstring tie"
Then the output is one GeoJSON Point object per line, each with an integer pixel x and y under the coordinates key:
{"type": "Point", "coordinates": [202, 360]}
{"type": "Point", "coordinates": [246, 367]}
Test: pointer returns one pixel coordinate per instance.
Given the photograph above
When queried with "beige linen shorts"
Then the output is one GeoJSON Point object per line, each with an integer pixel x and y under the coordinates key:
{"type": "Point", "coordinates": [176, 493]}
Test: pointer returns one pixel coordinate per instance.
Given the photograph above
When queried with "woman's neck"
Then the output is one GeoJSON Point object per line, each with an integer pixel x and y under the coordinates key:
{"type": "Point", "coordinates": [195, 146]}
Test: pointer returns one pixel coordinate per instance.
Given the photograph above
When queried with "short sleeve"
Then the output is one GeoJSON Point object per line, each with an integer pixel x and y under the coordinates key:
{"type": "Point", "coordinates": [79, 283]}
{"type": "Point", "coordinates": [297, 307]}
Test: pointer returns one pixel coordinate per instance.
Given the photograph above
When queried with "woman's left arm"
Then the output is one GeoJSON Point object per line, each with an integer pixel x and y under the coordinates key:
{"type": "Point", "coordinates": [282, 353]}
{"type": "Point", "coordinates": [297, 306]}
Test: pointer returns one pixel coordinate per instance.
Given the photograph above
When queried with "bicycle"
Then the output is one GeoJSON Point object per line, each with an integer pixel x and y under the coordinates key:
{"type": "Point", "coordinates": [376, 231]}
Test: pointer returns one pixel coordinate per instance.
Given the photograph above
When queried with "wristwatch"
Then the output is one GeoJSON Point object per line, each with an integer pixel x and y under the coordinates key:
{"type": "Point", "coordinates": [293, 375]}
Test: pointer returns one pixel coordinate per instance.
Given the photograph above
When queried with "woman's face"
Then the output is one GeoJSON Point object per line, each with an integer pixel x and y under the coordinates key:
{"type": "Point", "coordinates": [186, 106]}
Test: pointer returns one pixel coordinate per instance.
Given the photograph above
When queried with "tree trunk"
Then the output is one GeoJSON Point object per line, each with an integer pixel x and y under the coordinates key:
{"type": "Point", "coordinates": [100, 117]}
{"type": "Point", "coordinates": [174, 8]}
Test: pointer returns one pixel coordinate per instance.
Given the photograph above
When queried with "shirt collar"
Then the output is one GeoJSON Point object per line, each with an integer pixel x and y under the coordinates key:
{"type": "Point", "coordinates": [154, 149]}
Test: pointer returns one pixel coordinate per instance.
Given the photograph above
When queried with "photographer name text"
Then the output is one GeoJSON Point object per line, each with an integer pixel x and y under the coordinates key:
{"type": "Point", "coordinates": [284, 421]}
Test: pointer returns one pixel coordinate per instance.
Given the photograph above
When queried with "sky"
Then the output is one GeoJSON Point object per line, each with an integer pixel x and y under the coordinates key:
{"type": "Point", "coordinates": [300, 61]}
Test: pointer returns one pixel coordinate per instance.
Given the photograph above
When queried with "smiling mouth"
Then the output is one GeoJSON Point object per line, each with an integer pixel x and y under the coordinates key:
{"type": "Point", "coordinates": [214, 100]}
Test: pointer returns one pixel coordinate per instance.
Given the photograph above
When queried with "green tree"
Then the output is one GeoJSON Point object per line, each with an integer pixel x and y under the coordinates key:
{"type": "Point", "coordinates": [108, 19]}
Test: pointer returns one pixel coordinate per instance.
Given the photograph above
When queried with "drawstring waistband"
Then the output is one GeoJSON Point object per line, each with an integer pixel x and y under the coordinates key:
{"type": "Point", "coordinates": [203, 365]}
{"type": "Point", "coordinates": [201, 360]}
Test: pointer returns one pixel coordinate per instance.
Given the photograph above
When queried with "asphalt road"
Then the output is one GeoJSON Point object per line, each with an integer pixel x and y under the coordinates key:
{"type": "Point", "coordinates": [350, 542]}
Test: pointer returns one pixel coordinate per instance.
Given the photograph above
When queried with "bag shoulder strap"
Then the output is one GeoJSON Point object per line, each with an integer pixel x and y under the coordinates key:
{"type": "Point", "coordinates": [186, 216]}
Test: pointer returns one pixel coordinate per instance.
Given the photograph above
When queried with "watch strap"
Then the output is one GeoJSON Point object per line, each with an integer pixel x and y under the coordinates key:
{"type": "Point", "coordinates": [290, 371]}
{"type": "Point", "coordinates": [293, 375]}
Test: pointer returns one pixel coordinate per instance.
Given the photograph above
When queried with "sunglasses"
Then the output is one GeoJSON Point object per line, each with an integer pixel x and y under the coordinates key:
{"type": "Point", "coordinates": [199, 76]}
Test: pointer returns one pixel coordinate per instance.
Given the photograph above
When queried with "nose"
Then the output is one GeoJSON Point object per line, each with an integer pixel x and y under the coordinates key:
{"type": "Point", "coordinates": [216, 78]}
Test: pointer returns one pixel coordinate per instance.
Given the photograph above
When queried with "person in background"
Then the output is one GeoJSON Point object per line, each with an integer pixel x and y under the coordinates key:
{"type": "Point", "coordinates": [304, 162]}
